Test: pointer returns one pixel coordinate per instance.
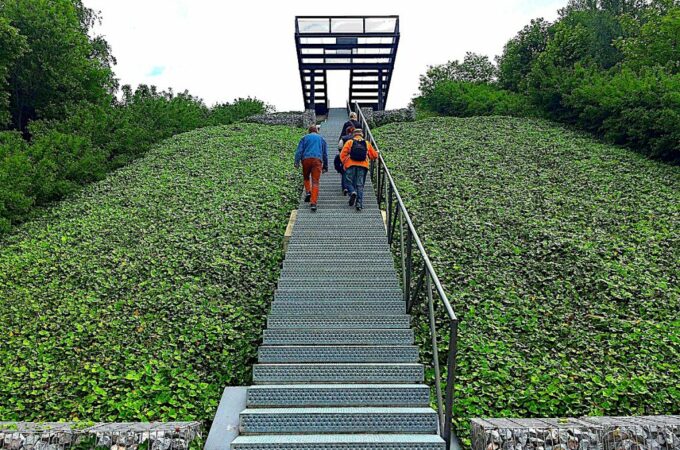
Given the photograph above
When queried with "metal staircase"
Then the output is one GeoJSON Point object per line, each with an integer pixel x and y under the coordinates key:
{"type": "Point", "coordinates": [338, 368]}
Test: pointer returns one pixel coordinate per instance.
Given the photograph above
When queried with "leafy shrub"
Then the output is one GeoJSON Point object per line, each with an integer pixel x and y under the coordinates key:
{"type": "Point", "coordinates": [638, 109]}
{"type": "Point", "coordinates": [462, 99]}
{"type": "Point", "coordinates": [16, 178]}
{"type": "Point", "coordinates": [561, 256]}
{"type": "Point", "coordinates": [226, 113]}
{"type": "Point", "coordinates": [62, 163]}
{"type": "Point", "coordinates": [475, 68]}
{"type": "Point", "coordinates": [145, 294]}
{"type": "Point", "coordinates": [95, 139]}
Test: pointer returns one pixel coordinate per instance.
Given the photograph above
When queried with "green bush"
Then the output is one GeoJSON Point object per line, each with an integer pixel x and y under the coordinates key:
{"type": "Point", "coordinates": [226, 113]}
{"type": "Point", "coordinates": [638, 109]}
{"type": "Point", "coordinates": [16, 179]}
{"type": "Point", "coordinates": [62, 163]}
{"type": "Point", "coordinates": [561, 257]}
{"type": "Point", "coordinates": [143, 295]}
{"type": "Point", "coordinates": [463, 99]}
{"type": "Point", "coordinates": [95, 139]}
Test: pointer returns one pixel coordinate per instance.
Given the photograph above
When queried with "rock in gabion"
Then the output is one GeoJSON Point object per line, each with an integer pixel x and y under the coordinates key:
{"type": "Point", "coordinates": [381, 118]}
{"type": "Point", "coordinates": [585, 433]}
{"type": "Point", "coordinates": [290, 119]}
{"type": "Point", "coordinates": [112, 436]}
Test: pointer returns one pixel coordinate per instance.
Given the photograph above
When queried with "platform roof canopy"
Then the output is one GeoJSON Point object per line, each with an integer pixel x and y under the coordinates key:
{"type": "Point", "coordinates": [364, 45]}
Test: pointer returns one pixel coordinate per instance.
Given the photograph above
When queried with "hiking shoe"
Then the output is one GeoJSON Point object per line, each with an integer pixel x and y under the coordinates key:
{"type": "Point", "coordinates": [352, 198]}
{"type": "Point", "coordinates": [313, 207]}
{"type": "Point", "coordinates": [344, 192]}
{"type": "Point", "coordinates": [308, 197]}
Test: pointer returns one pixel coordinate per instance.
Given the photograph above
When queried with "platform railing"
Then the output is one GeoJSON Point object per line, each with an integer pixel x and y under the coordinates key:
{"type": "Point", "coordinates": [417, 275]}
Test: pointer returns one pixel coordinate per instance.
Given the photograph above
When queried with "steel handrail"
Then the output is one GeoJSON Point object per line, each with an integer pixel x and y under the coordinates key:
{"type": "Point", "coordinates": [428, 276]}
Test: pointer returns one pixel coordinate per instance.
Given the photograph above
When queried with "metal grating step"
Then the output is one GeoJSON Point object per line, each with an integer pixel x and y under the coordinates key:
{"type": "Point", "coordinates": [320, 282]}
{"type": "Point", "coordinates": [338, 420]}
{"type": "Point", "coordinates": [338, 373]}
{"type": "Point", "coordinates": [346, 322]}
{"type": "Point", "coordinates": [282, 336]}
{"type": "Point", "coordinates": [313, 255]}
{"type": "Point", "coordinates": [310, 395]}
{"type": "Point", "coordinates": [346, 272]}
{"type": "Point", "coordinates": [339, 264]}
{"type": "Point", "coordinates": [338, 354]}
{"type": "Point", "coordinates": [340, 442]}
{"type": "Point", "coordinates": [339, 307]}
{"type": "Point", "coordinates": [338, 294]}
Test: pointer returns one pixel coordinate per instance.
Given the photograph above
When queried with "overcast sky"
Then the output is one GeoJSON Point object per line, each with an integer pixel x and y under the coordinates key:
{"type": "Point", "coordinates": [220, 50]}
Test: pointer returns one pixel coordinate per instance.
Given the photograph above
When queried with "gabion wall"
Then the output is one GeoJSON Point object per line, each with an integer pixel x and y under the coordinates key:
{"type": "Point", "coordinates": [381, 118]}
{"type": "Point", "coordinates": [586, 433]}
{"type": "Point", "coordinates": [101, 436]}
{"type": "Point", "coordinates": [291, 119]}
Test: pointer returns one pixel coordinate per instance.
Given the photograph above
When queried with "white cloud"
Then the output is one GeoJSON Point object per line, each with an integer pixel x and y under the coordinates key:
{"type": "Point", "coordinates": [221, 50]}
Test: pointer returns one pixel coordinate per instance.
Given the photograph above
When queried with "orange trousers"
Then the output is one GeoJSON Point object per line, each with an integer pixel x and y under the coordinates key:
{"type": "Point", "coordinates": [311, 171]}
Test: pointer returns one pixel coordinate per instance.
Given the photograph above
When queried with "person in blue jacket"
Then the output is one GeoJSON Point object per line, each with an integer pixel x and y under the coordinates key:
{"type": "Point", "coordinates": [312, 153]}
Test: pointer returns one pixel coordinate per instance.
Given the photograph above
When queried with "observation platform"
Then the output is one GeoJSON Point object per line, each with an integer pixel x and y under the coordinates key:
{"type": "Point", "coordinates": [366, 46]}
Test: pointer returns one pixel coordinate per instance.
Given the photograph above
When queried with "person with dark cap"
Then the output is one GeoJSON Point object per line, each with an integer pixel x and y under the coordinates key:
{"type": "Point", "coordinates": [312, 153]}
{"type": "Point", "coordinates": [352, 122]}
{"type": "Point", "coordinates": [339, 167]}
{"type": "Point", "coordinates": [355, 157]}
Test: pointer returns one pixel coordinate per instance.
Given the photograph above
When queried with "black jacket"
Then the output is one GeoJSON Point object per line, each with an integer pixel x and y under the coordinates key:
{"type": "Point", "coordinates": [349, 123]}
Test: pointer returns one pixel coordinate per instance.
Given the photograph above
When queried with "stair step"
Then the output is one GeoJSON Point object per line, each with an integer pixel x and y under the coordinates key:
{"type": "Point", "coordinates": [349, 272]}
{"type": "Point", "coordinates": [301, 246]}
{"type": "Point", "coordinates": [337, 354]}
{"type": "Point", "coordinates": [323, 283]}
{"type": "Point", "coordinates": [312, 255]}
{"type": "Point", "coordinates": [332, 240]}
{"type": "Point", "coordinates": [311, 395]}
{"type": "Point", "coordinates": [332, 295]}
{"type": "Point", "coordinates": [339, 307]}
{"type": "Point", "coordinates": [337, 337]}
{"type": "Point", "coordinates": [375, 265]}
{"type": "Point", "coordinates": [340, 442]}
{"type": "Point", "coordinates": [344, 322]}
{"type": "Point", "coordinates": [338, 373]}
{"type": "Point", "coordinates": [338, 420]}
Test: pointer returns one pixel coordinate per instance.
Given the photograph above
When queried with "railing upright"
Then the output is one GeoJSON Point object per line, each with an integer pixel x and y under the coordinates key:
{"type": "Point", "coordinates": [395, 211]}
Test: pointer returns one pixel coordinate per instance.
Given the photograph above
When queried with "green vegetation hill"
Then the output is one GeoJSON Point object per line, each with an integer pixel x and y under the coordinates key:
{"type": "Point", "coordinates": [560, 254]}
{"type": "Point", "coordinates": [145, 294]}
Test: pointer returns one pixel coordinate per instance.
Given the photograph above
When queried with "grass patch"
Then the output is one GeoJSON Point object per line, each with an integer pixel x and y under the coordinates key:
{"type": "Point", "coordinates": [561, 256]}
{"type": "Point", "coordinates": [144, 295]}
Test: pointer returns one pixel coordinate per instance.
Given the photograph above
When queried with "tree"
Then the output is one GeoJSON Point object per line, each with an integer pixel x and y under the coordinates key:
{"type": "Point", "coordinates": [64, 65]}
{"type": "Point", "coordinates": [475, 68]}
{"type": "Point", "coordinates": [12, 46]}
{"type": "Point", "coordinates": [656, 43]}
{"type": "Point", "coordinates": [520, 53]}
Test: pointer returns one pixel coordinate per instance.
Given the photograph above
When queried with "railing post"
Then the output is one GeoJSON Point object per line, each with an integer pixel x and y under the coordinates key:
{"type": "Point", "coordinates": [435, 356]}
{"type": "Point", "coordinates": [450, 381]}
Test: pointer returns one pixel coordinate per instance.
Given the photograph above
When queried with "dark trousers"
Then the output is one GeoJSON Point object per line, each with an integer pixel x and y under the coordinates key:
{"type": "Point", "coordinates": [355, 177]}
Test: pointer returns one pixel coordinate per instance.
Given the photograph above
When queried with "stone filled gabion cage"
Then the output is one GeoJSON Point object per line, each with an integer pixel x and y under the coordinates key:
{"type": "Point", "coordinates": [586, 433]}
{"type": "Point", "coordinates": [101, 436]}
{"type": "Point", "coordinates": [291, 119]}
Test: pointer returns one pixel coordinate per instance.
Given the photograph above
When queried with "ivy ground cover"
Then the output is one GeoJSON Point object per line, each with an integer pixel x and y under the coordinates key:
{"type": "Point", "coordinates": [560, 255]}
{"type": "Point", "coordinates": [144, 295]}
